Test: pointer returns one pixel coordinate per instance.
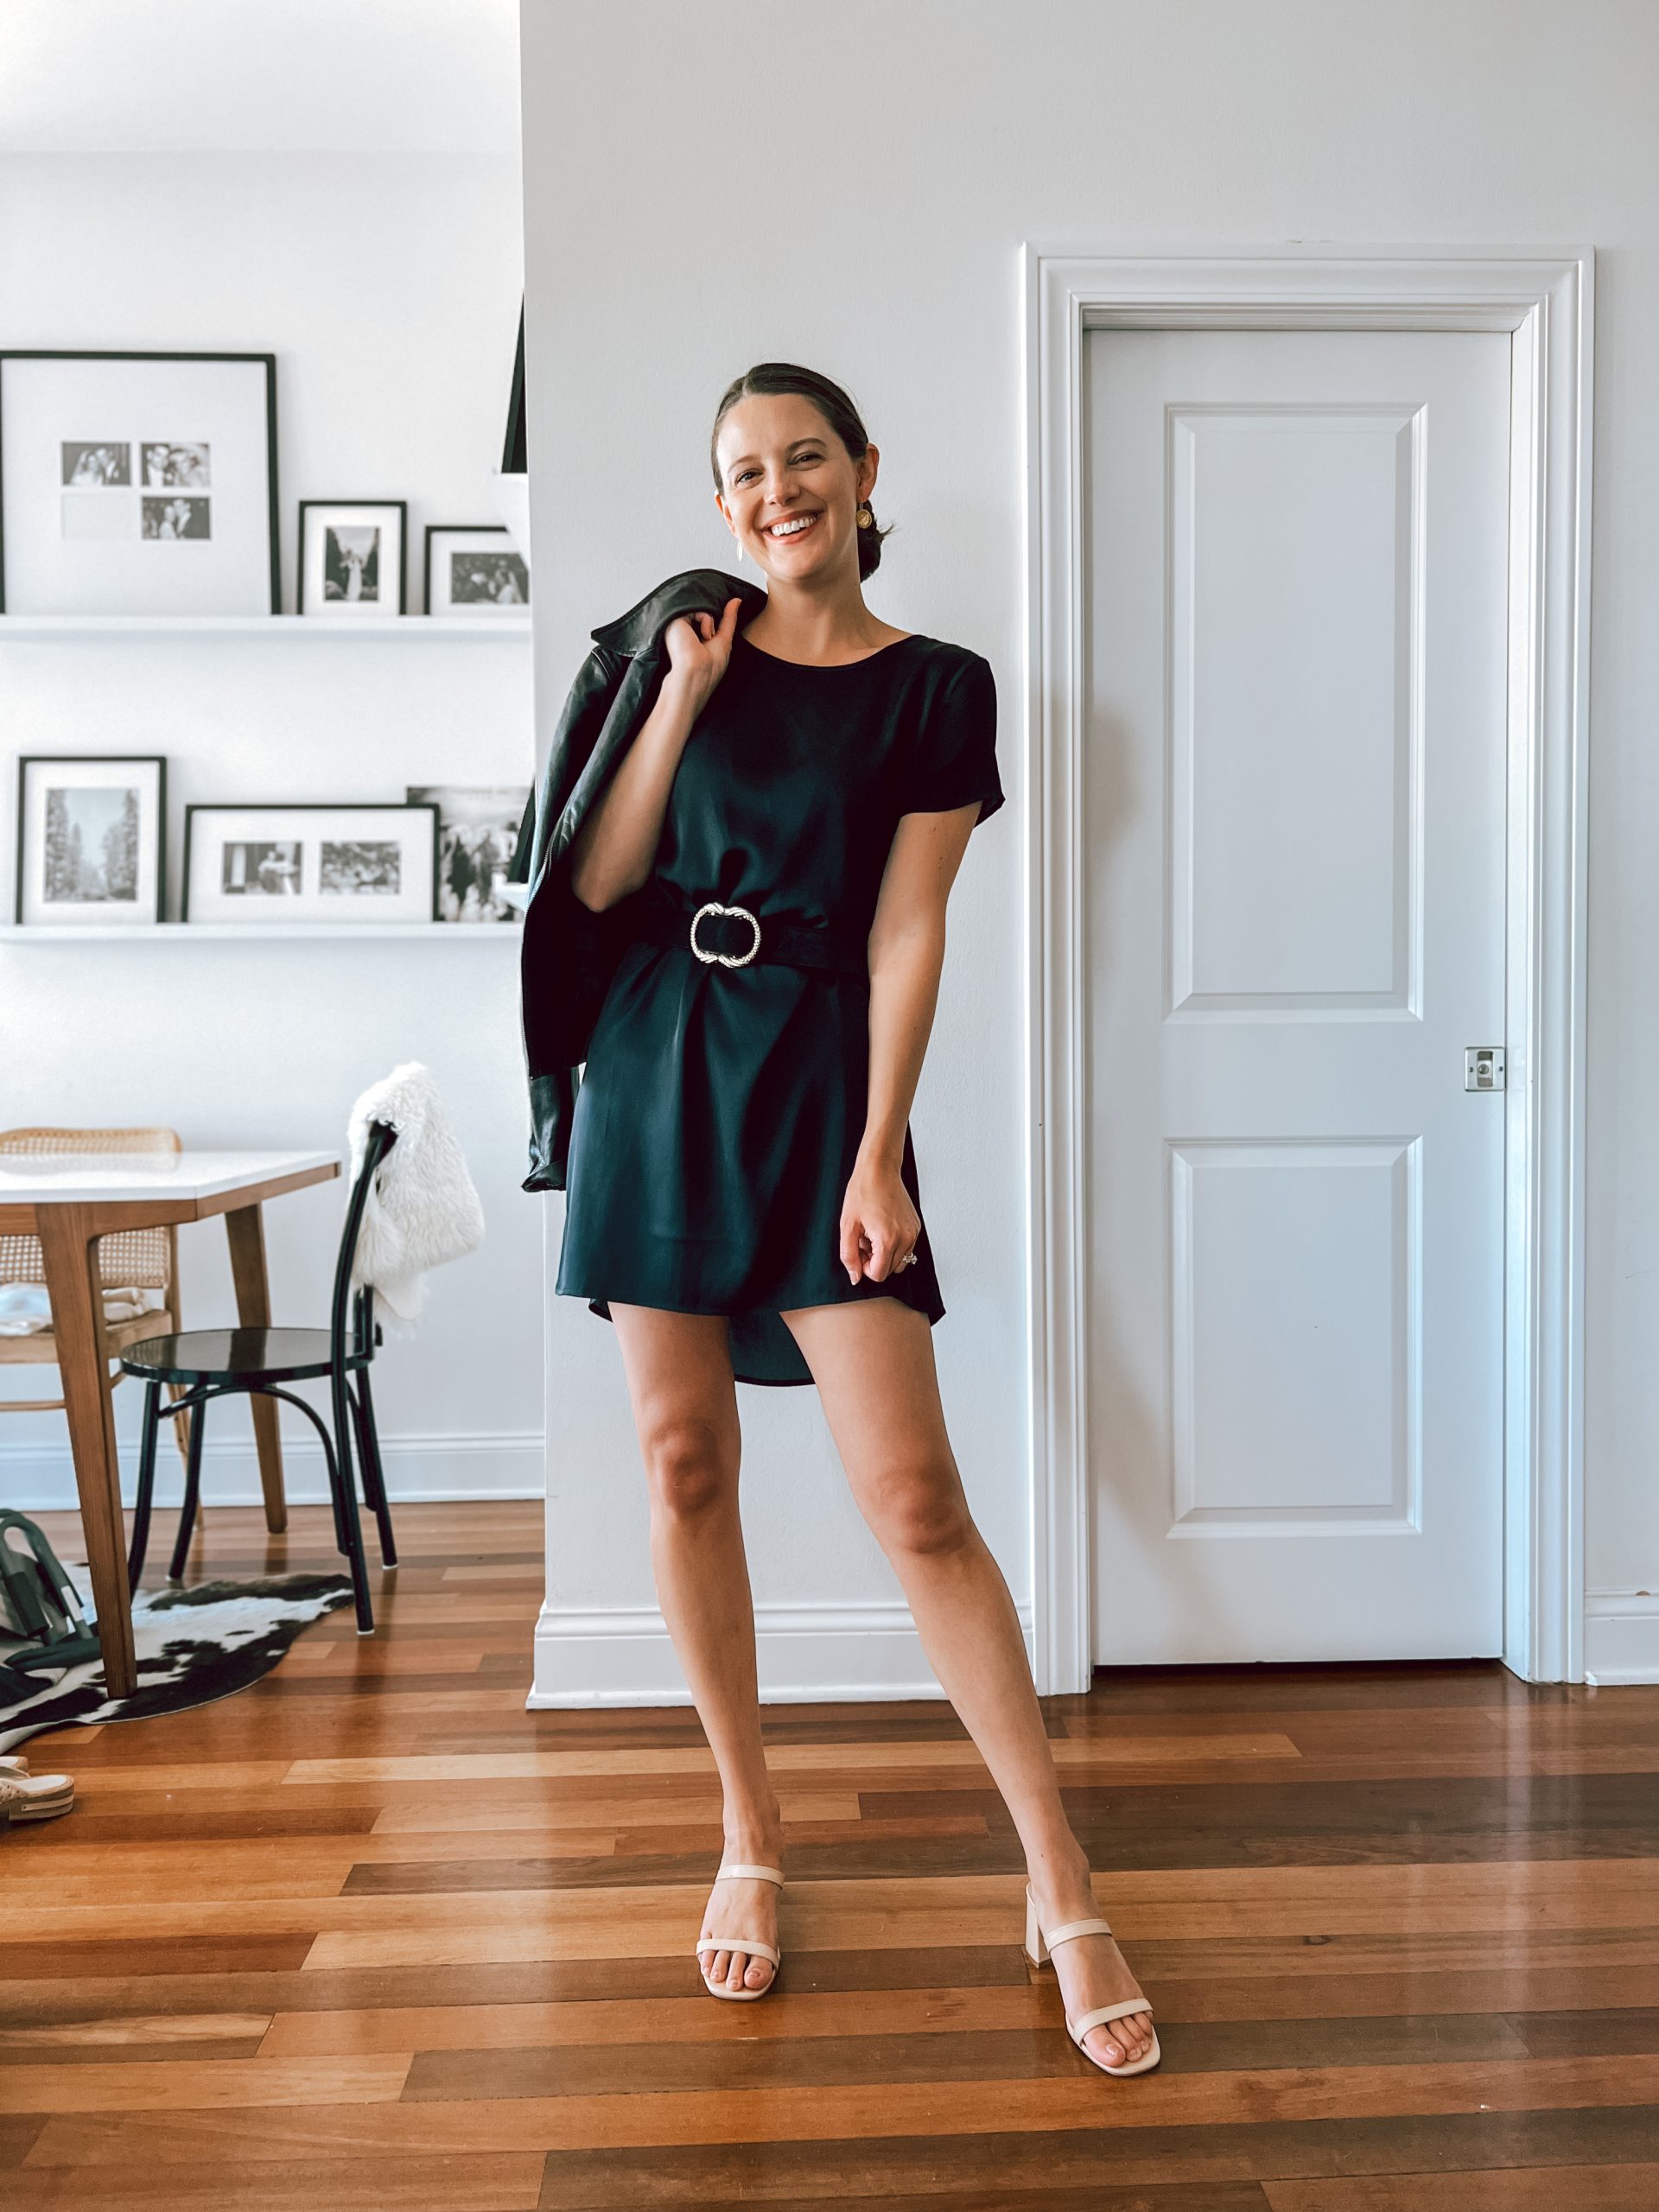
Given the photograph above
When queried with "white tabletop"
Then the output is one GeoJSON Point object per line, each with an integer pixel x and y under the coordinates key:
{"type": "Point", "coordinates": [42, 1177]}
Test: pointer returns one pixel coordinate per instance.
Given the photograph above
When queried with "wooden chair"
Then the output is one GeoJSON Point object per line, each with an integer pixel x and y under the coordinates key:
{"type": "Point", "coordinates": [137, 1259]}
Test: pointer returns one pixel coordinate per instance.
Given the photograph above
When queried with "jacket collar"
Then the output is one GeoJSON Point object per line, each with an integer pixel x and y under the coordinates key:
{"type": "Point", "coordinates": [692, 591]}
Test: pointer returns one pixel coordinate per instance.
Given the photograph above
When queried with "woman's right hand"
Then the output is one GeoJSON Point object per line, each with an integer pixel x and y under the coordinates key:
{"type": "Point", "coordinates": [699, 648]}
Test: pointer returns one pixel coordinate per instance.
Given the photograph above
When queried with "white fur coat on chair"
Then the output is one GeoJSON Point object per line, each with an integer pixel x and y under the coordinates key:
{"type": "Point", "coordinates": [423, 1208]}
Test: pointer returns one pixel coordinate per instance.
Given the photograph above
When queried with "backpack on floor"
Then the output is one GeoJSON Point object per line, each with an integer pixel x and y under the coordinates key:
{"type": "Point", "coordinates": [39, 1605]}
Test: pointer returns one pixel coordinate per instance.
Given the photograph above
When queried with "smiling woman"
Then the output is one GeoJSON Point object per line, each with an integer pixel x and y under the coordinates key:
{"type": "Point", "coordinates": [742, 1193]}
{"type": "Point", "coordinates": [821, 433]}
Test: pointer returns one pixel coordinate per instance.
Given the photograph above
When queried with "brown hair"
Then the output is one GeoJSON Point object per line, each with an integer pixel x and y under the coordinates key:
{"type": "Point", "coordinates": [837, 410]}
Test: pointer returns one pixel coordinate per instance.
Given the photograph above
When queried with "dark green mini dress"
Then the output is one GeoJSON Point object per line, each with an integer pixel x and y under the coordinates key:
{"type": "Point", "coordinates": [721, 1109]}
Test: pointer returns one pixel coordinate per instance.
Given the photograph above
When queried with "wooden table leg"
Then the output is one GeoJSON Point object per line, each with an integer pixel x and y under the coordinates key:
{"type": "Point", "coordinates": [72, 1275]}
{"type": "Point", "coordinates": [244, 1228]}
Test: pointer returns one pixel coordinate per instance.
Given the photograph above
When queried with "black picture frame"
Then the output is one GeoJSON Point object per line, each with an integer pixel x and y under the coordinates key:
{"type": "Point", "coordinates": [157, 760]}
{"type": "Point", "coordinates": [126, 353]}
{"type": "Point", "coordinates": [400, 507]}
{"type": "Point", "coordinates": [312, 806]}
{"type": "Point", "coordinates": [470, 530]}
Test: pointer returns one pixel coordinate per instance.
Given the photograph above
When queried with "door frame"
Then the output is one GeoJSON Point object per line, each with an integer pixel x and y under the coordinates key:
{"type": "Point", "coordinates": [1543, 296]}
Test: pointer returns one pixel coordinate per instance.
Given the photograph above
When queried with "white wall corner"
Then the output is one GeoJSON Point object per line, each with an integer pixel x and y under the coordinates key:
{"type": "Point", "coordinates": [623, 1655]}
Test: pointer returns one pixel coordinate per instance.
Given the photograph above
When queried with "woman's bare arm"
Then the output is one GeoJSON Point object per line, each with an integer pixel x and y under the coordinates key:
{"type": "Point", "coordinates": [906, 954]}
{"type": "Point", "coordinates": [614, 848]}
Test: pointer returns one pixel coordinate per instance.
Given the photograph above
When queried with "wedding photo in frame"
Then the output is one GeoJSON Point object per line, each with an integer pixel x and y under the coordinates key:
{"type": "Point", "coordinates": [92, 838]}
{"type": "Point", "coordinates": [353, 557]}
{"type": "Point", "coordinates": [315, 861]}
{"type": "Point", "coordinates": [475, 570]}
{"type": "Point", "coordinates": [139, 484]}
{"type": "Point", "coordinates": [478, 837]}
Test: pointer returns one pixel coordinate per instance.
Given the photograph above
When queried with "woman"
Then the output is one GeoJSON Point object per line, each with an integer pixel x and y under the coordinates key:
{"type": "Point", "coordinates": [742, 1200]}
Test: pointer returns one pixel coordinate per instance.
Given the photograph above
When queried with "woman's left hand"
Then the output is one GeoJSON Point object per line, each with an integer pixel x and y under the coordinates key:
{"type": "Point", "coordinates": [879, 1225]}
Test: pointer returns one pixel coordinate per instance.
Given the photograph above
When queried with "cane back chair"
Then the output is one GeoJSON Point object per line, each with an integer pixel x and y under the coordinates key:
{"type": "Point", "coordinates": [128, 1259]}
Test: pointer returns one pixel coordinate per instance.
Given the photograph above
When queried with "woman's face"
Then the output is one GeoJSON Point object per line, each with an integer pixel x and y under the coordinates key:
{"type": "Point", "coordinates": [781, 463]}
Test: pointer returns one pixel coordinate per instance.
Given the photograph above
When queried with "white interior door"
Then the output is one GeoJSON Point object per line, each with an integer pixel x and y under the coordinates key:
{"type": "Point", "coordinates": [1294, 871]}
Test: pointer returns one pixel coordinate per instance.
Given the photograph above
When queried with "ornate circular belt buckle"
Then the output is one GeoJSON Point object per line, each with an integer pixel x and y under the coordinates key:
{"type": "Point", "coordinates": [726, 959]}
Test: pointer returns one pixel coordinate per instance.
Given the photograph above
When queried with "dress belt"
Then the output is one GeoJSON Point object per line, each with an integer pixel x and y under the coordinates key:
{"type": "Point", "coordinates": [734, 936]}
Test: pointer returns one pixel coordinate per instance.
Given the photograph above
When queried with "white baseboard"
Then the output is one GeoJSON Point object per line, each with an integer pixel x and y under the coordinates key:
{"type": "Point", "coordinates": [1621, 1636]}
{"type": "Point", "coordinates": [41, 1478]}
{"type": "Point", "coordinates": [623, 1655]}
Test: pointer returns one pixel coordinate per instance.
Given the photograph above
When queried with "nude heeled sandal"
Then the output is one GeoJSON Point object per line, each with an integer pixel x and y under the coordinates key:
{"type": "Point", "coordinates": [750, 1946]}
{"type": "Point", "coordinates": [1039, 1945]}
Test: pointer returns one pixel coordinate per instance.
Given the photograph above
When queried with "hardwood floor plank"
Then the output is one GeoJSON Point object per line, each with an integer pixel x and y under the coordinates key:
{"type": "Point", "coordinates": [687, 1840]}
{"type": "Point", "coordinates": [1195, 2037]}
{"type": "Point", "coordinates": [787, 1758]}
{"type": "Point", "coordinates": [91, 1775]}
{"type": "Point", "coordinates": [1544, 1989]}
{"type": "Point", "coordinates": [318, 1693]}
{"type": "Point", "coordinates": [1540, 2189]}
{"type": "Point", "coordinates": [1077, 2097]}
{"type": "Point", "coordinates": [175, 1868]}
{"type": "Point", "coordinates": [18, 2136]}
{"type": "Point", "coordinates": [687, 2018]}
{"type": "Point", "coordinates": [244, 1817]}
{"type": "Point", "coordinates": [65, 1958]}
{"type": "Point", "coordinates": [1151, 2196]}
{"type": "Point", "coordinates": [125, 2031]}
{"type": "Point", "coordinates": [961, 2050]}
{"type": "Point", "coordinates": [1057, 2172]}
{"type": "Point", "coordinates": [191, 2084]}
{"type": "Point", "coordinates": [1604, 2029]}
{"type": "Point", "coordinates": [479, 2181]}
{"type": "Point", "coordinates": [477, 1983]}
{"type": "Point", "coordinates": [537, 1804]}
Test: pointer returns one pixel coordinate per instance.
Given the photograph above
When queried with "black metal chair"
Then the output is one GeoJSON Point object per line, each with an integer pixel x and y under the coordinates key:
{"type": "Point", "coordinates": [219, 1362]}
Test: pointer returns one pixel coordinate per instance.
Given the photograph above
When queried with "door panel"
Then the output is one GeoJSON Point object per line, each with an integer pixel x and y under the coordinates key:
{"type": "Point", "coordinates": [1294, 791]}
{"type": "Point", "coordinates": [1277, 640]}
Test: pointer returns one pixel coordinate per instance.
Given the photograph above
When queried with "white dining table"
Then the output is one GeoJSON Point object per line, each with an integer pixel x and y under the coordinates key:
{"type": "Point", "coordinates": [71, 1200]}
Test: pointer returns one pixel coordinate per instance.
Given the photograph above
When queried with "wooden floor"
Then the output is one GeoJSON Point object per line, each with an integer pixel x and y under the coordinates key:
{"type": "Point", "coordinates": [371, 1936]}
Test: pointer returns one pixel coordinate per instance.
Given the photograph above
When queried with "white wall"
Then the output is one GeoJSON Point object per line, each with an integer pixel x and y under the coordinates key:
{"type": "Point", "coordinates": [849, 184]}
{"type": "Point", "coordinates": [387, 284]}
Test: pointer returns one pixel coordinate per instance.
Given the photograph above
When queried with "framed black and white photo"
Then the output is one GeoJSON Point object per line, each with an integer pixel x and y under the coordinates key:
{"type": "Point", "coordinates": [92, 831]}
{"type": "Point", "coordinates": [477, 836]}
{"type": "Point", "coordinates": [351, 558]}
{"type": "Point", "coordinates": [139, 484]}
{"type": "Point", "coordinates": [475, 569]}
{"type": "Point", "coordinates": [316, 863]}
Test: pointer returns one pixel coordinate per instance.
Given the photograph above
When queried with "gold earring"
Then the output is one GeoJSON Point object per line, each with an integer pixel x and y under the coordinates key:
{"type": "Point", "coordinates": [866, 516]}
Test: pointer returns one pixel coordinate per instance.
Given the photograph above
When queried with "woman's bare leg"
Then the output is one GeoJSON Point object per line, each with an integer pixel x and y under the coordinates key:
{"type": "Point", "coordinates": [679, 1373]}
{"type": "Point", "coordinates": [873, 1362]}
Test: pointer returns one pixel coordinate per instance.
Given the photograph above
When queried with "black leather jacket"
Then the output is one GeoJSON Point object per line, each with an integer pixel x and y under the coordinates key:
{"type": "Point", "coordinates": [570, 953]}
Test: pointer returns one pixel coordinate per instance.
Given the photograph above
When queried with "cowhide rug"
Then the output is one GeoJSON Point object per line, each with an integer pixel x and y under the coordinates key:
{"type": "Point", "coordinates": [193, 1645]}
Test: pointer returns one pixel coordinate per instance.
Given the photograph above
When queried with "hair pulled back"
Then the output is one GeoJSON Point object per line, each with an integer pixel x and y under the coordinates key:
{"type": "Point", "coordinates": [837, 410]}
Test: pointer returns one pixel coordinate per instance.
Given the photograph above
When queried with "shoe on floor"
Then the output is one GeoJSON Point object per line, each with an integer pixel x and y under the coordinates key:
{"type": "Point", "coordinates": [35, 1797]}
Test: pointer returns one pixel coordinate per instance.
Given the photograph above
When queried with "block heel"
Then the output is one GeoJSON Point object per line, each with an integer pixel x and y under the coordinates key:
{"type": "Point", "coordinates": [1036, 1950]}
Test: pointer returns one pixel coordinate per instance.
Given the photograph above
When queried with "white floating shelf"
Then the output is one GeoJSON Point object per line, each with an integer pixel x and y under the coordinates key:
{"type": "Point", "coordinates": [29, 628]}
{"type": "Point", "coordinates": [295, 932]}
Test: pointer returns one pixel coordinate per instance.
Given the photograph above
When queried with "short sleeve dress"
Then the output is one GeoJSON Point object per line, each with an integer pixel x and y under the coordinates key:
{"type": "Point", "coordinates": [721, 1109]}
